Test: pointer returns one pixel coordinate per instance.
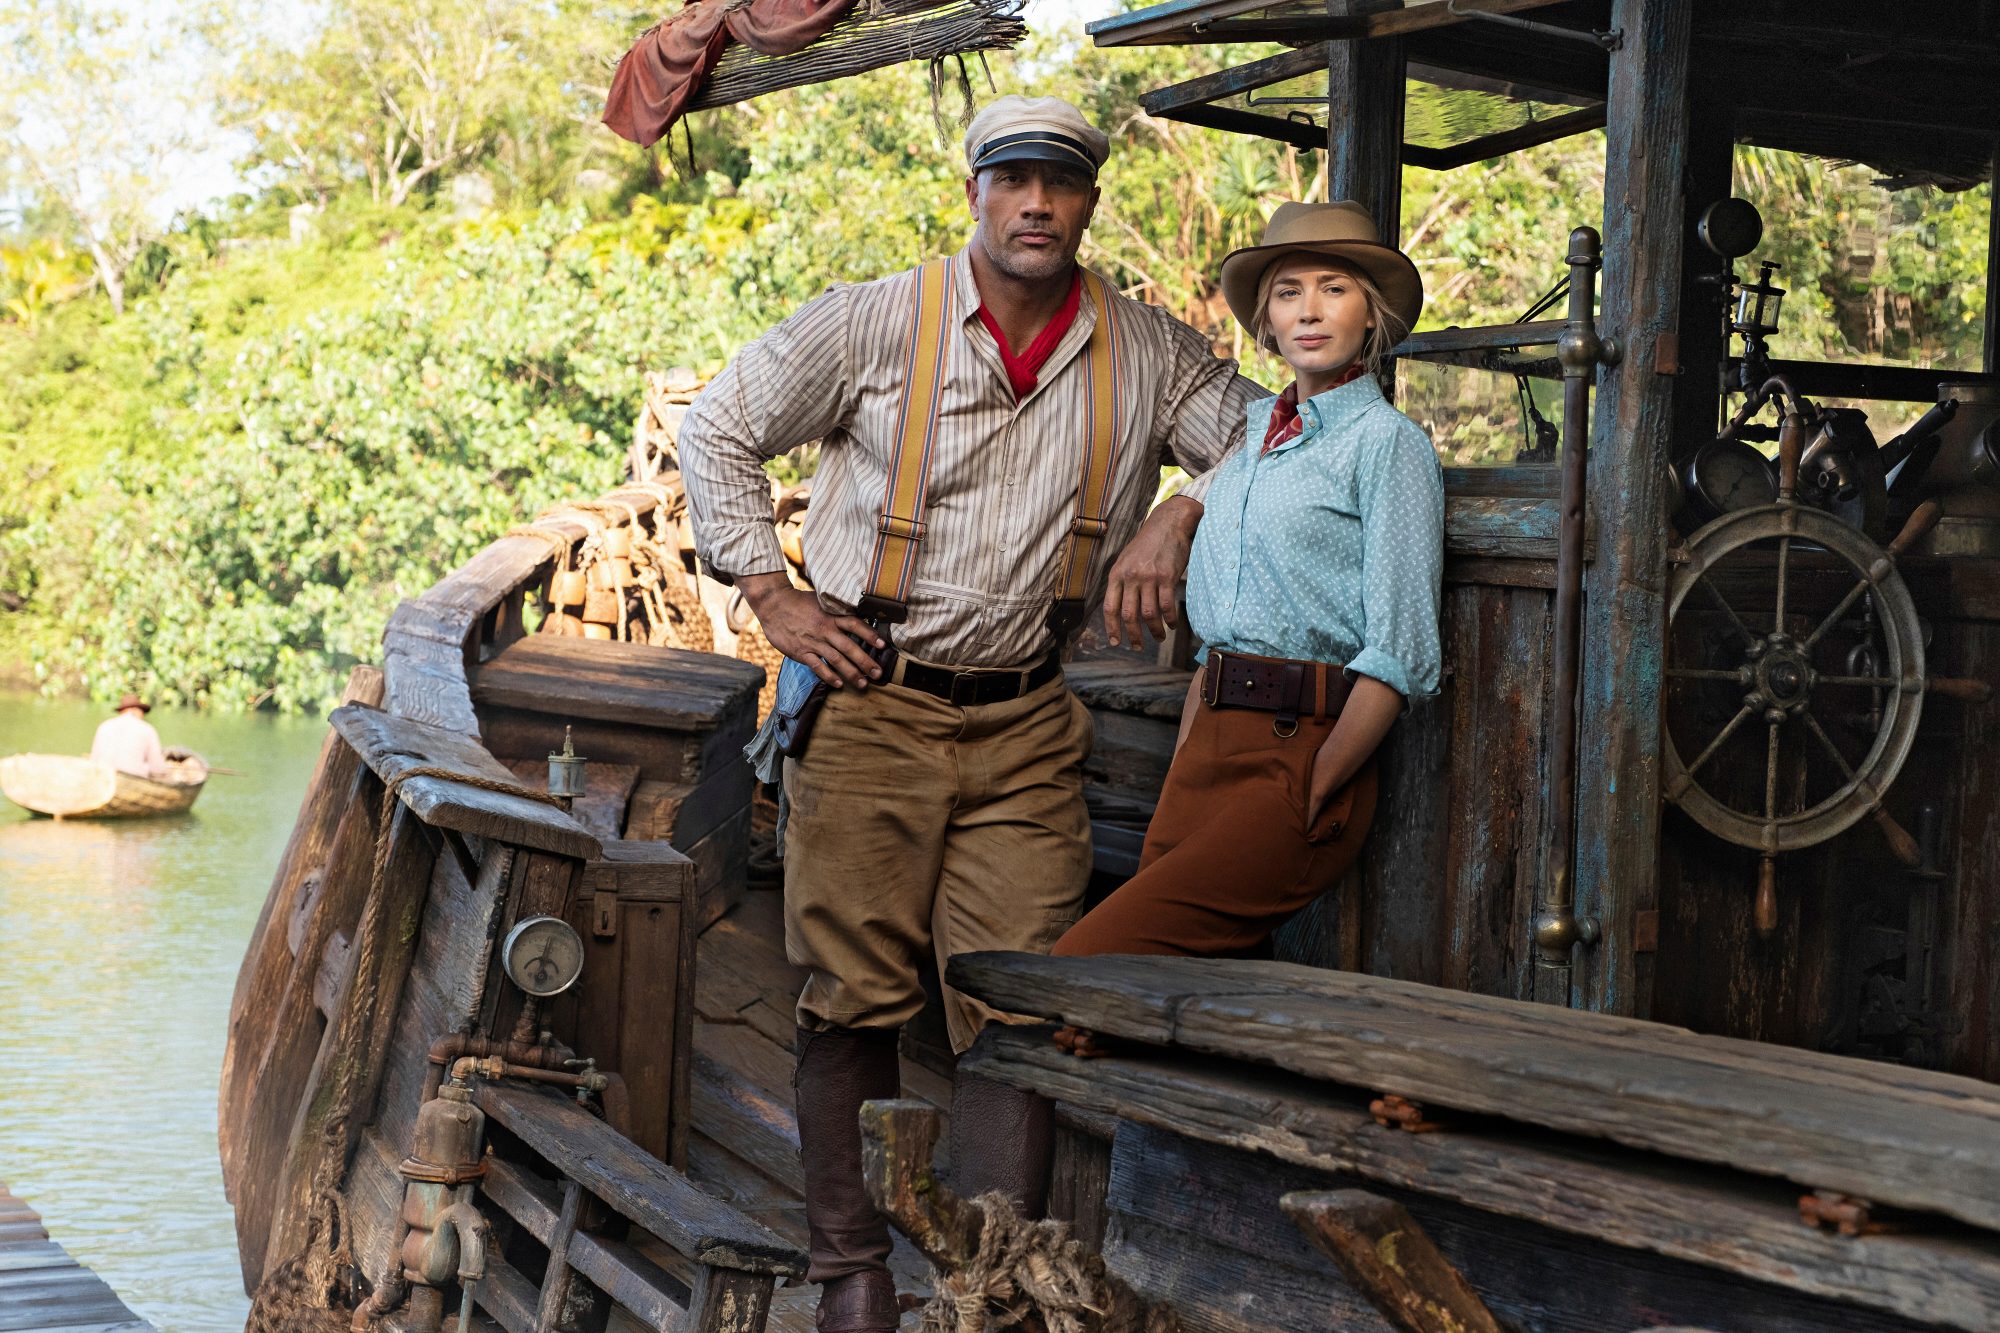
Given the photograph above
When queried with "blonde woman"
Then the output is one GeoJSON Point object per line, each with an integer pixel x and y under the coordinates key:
{"type": "Point", "coordinates": [1313, 585]}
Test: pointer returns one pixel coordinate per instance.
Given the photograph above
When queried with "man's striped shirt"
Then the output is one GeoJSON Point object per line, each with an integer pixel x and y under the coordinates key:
{"type": "Point", "coordinates": [1003, 481]}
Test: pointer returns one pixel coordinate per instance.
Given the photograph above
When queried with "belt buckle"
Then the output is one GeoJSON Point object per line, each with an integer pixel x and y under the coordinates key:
{"type": "Point", "coordinates": [971, 684]}
{"type": "Point", "coordinates": [1285, 729]}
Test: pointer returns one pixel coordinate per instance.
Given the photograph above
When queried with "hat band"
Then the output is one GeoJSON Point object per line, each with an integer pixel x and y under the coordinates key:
{"type": "Point", "coordinates": [1053, 146]}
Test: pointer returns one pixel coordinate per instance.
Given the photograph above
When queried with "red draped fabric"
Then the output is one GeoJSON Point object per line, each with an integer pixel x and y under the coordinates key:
{"type": "Point", "coordinates": [666, 67]}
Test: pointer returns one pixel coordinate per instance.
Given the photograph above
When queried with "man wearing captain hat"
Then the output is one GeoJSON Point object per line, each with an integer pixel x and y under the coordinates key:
{"type": "Point", "coordinates": [993, 426]}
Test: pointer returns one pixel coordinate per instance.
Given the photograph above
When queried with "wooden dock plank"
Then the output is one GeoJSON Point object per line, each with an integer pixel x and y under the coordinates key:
{"type": "Point", "coordinates": [44, 1290]}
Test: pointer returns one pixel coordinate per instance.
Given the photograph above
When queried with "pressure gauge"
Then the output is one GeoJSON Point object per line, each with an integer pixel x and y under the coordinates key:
{"type": "Point", "coordinates": [543, 955]}
{"type": "Point", "coordinates": [1727, 475]}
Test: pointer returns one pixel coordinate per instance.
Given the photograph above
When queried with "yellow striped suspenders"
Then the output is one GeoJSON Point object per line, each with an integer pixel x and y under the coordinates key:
{"type": "Point", "coordinates": [899, 531]}
{"type": "Point", "coordinates": [1100, 462]}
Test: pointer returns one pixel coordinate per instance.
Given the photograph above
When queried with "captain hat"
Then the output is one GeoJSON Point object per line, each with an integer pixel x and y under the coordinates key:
{"type": "Point", "coordinates": [1034, 129]}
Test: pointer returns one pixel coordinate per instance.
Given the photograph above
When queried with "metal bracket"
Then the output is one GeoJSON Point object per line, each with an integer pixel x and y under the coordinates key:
{"type": "Point", "coordinates": [1614, 40]}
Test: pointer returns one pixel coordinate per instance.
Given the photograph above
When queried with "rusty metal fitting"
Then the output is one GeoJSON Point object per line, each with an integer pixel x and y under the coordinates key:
{"type": "Point", "coordinates": [1393, 1112]}
{"type": "Point", "coordinates": [1830, 1210]}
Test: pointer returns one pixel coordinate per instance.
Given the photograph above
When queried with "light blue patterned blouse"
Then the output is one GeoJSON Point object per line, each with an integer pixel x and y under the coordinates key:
{"type": "Point", "coordinates": [1330, 547]}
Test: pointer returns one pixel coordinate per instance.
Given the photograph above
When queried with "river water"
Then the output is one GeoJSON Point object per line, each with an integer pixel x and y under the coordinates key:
{"type": "Point", "coordinates": [119, 944]}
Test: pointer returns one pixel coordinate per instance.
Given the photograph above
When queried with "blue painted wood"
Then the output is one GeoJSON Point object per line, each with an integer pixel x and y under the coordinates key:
{"type": "Point", "coordinates": [1618, 797]}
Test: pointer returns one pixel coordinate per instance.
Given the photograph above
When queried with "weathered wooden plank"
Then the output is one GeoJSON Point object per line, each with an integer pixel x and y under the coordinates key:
{"type": "Point", "coordinates": [635, 1005]}
{"type": "Point", "coordinates": [1744, 1225]}
{"type": "Point", "coordinates": [684, 813]}
{"type": "Point", "coordinates": [43, 1288]}
{"type": "Point", "coordinates": [1129, 683]}
{"type": "Point", "coordinates": [274, 1074]}
{"type": "Point", "coordinates": [1496, 787]}
{"type": "Point", "coordinates": [269, 957]}
{"type": "Point", "coordinates": [637, 1185]}
{"type": "Point", "coordinates": [506, 1295]}
{"type": "Point", "coordinates": [618, 682]}
{"type": "Point", "coordinates": [1507, 527]}
{"type": "Point", "coordinates": [1079, 1172]}
{"type": "Point", "coordinates": [1387, 1255]}
{"type": "Point", "coordinates": [1624, 627]}
{"type": "Point", "coordinates": [1214, 1213]}
{"type": "Point", "coordinates": [392, 745]}
{"type": "Point", "coordinates": [635, 1282]}
{"type": "Point", "coordinates": [659, 756]}
{"type": "Point", "coordinates": [757, 1126]}
{"type": "Point", "coordinates": [721, 869]}
{"type": "Point", "coordinates": [725, 1301]}
{"type": "Point", "coordinates": [337, 1098]}
{"type": "Point", "coordinates": [1903, 1137]}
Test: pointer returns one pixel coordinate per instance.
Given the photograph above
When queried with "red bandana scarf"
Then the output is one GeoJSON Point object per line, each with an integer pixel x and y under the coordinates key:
{"type": "Point", "coordinates": [1023, 370]}
{"type": "Point", "coordinates": [1286, 423]}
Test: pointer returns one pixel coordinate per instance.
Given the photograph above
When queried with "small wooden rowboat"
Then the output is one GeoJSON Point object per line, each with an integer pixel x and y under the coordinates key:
{"type": "Point", "coordinates": [71, 787]}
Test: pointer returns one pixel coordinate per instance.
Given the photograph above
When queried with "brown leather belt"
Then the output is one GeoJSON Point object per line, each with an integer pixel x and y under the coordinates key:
{"type": "Point", "coordinates": [969, 689]}
{"type": "Point", "coordinates": [1291, 689]}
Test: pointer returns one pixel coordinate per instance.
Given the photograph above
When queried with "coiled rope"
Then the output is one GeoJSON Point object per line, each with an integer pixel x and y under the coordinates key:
{"type": "Point", "coordinates": [1040, 1269]}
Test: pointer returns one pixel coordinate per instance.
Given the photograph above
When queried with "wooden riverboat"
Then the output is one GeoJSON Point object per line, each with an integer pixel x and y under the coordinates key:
{"type": "Point", "coordinates": [1599, 1035]}
{"type": "Point", "coordinates": [64, 786]}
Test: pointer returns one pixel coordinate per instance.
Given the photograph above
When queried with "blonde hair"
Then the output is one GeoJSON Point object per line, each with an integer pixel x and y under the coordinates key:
{"type": "Point", "coordinates": [1389, 327]}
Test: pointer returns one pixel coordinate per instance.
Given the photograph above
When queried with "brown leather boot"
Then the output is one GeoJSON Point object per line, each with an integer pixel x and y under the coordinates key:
{"type": "Point", "coordinates": [1002, 1138]}
{"type": "Point", "coordinates": [849, 1241]}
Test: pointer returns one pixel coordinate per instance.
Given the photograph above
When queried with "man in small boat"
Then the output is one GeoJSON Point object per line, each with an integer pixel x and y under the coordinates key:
{"type": "Point", "coordinates": [127, 742]}
{"type": "Point", "coordinates": [992, 427]}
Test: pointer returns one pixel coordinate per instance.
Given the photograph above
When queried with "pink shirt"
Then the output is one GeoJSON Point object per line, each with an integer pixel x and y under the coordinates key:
{"type": "Point", "coordinates": [130, 745]}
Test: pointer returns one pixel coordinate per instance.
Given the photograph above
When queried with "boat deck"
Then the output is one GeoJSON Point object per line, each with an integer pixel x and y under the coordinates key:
{"type": "Point", "coordinates": [43, 1290]}
{"type": "Point", "coordinates": [745, 1144]}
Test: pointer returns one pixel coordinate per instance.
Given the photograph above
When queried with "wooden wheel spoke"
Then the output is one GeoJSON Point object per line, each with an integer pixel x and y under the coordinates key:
{"type": "Point", "coordinates": [1743, 715]}
{"type": "Point", "coordinates": [1704, 673]}
{"type": "Point", "coordinates": [1771, 774]}
{"type": "Point", "coordinates": [1833, 617]}
{"type": "Point", "coordinates": [1784, 572]}
{"type": "Point", "coordinates": [1826, 742]}
{"type": "Point", "coordinates": [1722, 605]}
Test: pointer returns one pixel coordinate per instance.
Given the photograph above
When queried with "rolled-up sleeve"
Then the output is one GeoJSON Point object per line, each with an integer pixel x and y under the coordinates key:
{"type": "Point", "coordinates": [1401, 499]}
{"type": "Point", "coordinates": [1204, 415]}
{"type": "Point", "coordinates": [790, 387]}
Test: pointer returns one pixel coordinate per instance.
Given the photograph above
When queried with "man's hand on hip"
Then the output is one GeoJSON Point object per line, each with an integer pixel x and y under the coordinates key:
{"type": "Point", "coordinates": [801, 630]}
{"type": "Point", "coordinates": [1145, 579]}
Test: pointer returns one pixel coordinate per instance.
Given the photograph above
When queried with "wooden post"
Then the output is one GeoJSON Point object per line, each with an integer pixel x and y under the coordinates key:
{"type": "Point", "coordinates": [1993, 264]}
{"type": "Point", "coordinates": [1618, 797]}
{"type": "Point", "coordinates": [1387, 1256]}
{"type": "Point", "coordinates": [1704, 339]}
{"type": "Point", "coordinates": [1364, 122]}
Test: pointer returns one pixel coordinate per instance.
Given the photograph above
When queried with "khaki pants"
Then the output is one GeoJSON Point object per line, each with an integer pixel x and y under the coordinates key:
{"type": "Point", "coordinates": [917, 826]}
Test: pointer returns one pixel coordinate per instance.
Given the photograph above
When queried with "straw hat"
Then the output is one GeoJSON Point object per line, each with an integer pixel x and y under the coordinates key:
{"type": "Point", "coordinates": [1342, 230]}
{"type": "Point", "coordinates": [134, 701]}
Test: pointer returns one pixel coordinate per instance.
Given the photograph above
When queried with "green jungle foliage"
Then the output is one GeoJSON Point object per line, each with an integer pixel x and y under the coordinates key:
{"type": "Point", "coordinates": [321, 401]}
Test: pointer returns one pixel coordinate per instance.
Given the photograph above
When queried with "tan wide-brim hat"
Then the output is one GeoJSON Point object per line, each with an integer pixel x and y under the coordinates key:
{"type": "Point", "coordinates": [1342, 230]}
{"type": "Point", "coordinates": [134, 701]}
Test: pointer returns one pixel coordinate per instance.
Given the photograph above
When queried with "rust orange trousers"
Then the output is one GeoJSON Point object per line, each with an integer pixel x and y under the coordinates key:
{"type": "Point", "coordinates": [1229, 854]}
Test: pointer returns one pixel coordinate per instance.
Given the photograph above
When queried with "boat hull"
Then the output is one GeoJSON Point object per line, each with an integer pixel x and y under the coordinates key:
{"type": "Point", "coordinates": [68, 787]}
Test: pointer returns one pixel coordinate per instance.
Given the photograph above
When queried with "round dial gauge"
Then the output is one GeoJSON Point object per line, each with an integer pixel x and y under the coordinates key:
{"type": "Point", "coordinates": [1728, 475]}
{"type": "Point", "coordinates": [543, 955]}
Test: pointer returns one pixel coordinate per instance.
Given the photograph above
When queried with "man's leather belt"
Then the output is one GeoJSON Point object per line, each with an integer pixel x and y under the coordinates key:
{"type": "Point", "coordinates": [1291, 689]}
{"type": "Point", "coordinates": [969, 689]}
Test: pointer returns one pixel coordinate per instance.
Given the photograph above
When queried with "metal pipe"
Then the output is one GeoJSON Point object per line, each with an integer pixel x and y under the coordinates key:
{"type": "Point", "coordinates": [1557, 930]}
{"type": "Point", "coordinates": [447, 1050]}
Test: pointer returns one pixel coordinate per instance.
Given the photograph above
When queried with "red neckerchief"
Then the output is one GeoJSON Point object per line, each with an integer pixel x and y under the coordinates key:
{"type": "Point", "coordinates": [1023, 370]}
{"type": "Point", "coordinates": [1286, 423]}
